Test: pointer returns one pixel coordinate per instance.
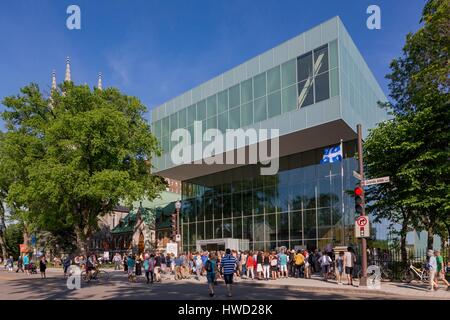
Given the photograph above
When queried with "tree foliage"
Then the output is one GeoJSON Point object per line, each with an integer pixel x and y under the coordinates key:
{"type": "Point", "coordinates": [413, 147]}
{"type": "Point", "coordinates": [74, 155]}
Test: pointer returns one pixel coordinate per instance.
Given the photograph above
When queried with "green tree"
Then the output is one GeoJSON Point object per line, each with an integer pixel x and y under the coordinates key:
{"type": "Point", "coordinates": [413, 148]}
{"type": "Point", "coordinates": [75, 155]}
{"type": "Point", "coordinates": [14, 238]}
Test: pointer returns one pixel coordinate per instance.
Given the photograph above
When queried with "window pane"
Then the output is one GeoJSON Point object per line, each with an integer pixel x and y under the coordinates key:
{"type": "Point", "coordinates": [321, 60]}
{"type": "Point", "coordinates": [270, 228]}
{"type": "Point", "coordinates": [324, 222]}
{"type": "Point", "coordinates": [173, 122]}
{"type": "Point", "coordinates": [260, 85]}
{"type": "Point", "coordinates": [246, 91]}
{"type": "Point", "coordinates": [201, 110]}
{"type": "Point", "coordinates": [157, 128]}
{"type": "Point", "coordinates": [235, 121]}
{"type": "Point", "coordinates": [322, 87]}
{"type": "Point", "coordinates": [211, 123]}
{"type": "Point", "coordinates": [165, 144]}
{"type": "Point", "coordinates": [222, 122]}
{"type": "Point", "coordinates": [200, 230]}
{"type": "Point", "coordinates": [192, 233]}
{"type": "Point", "coordinates": [191, 115]}
{"type": "Point", "coordinates": [333, 54]}
{"type": "Point", "coordinates": [248, 228]}
{"type": "Point", "coordinates": [258, 228]}
{"type": "Point", "coordinates": [222, 101]}
{"type": "Point", "coordinates": [274, 104]}
{"type": "Point", "coordinates": [334, 80]}
{"type": "Point", "coordinates": [260, 113]}
{"type": "Point", "coordinates": [305, 95]}
{"type": "Point", "coordinates": [310, 224]}
{"type": "Point", "coordinates": [234, 96]}
{"type": "Point", "coordinates": [288, 73]}
{"type": "Point", "coordinates": [182, 118]}
{"type": "Point", "coordinates": [247, 114]}
{"type": "Point", "coordinates": [218, 228]}
{"type": "Point", "coordinates": [237, 204]}
{"type": "Point", "coordinates": [283, 226]}
{"type": "Point", "coordinates": [165, 126]}
{"type": "Point", "coordinates": [296, 224]}
{"type": "Point", "coordinates": [209, 234]}
{"type": "Point", "coordinates": [304, 66]}
{"type": "Point", "coordinates": [227, 228]}
{"type": "Point", "coordinates": [237, 228]}
{"type": "Point", "coordinates": [289, 99]}
{"type": "Point", "coordinates": [273, 79]}
{"type": "Point", "coordinates": [211, 109]}
{"type": "Point", "coordinates": [226, 209]}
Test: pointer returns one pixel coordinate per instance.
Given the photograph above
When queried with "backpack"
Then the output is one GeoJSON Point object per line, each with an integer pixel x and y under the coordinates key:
{"type": "Point", "coordinates": [208, 266]}
{"type": "Point", "coordinates": [299, 259]}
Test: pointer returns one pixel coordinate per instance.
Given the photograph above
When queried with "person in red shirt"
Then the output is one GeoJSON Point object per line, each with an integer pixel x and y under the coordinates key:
{"type": "Point", "coordinates": [250, 266]}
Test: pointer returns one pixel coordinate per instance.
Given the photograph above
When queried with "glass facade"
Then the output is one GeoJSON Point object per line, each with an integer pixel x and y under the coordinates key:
{"type": "Point", "coordinates": [305, 204]}
{"type": "Point", "coordinates": [297, 83]}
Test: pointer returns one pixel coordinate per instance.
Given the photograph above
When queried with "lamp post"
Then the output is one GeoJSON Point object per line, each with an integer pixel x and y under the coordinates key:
{"type": "Point", "coordinates": [178, 207]}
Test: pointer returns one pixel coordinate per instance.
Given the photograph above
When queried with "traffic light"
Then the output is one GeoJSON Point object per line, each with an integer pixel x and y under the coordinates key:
{"type": "Point", "coordinates": [359, 200]}
{"type": "Point", "coordinates": [173, 223]}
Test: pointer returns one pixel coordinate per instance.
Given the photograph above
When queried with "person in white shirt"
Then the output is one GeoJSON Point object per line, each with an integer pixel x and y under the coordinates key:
{"type": "Point", "coordinates": [349, 264]}
{"type": "Point", "coordinates": [432, 264]}
{"type": "Point", "coordinates": [325, 262]}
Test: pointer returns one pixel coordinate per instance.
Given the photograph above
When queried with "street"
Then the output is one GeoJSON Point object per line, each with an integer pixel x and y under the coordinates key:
{"type": "Point", "coordinates": [21, 286]}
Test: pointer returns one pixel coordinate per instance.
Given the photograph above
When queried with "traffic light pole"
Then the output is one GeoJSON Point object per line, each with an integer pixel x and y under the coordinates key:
{"type": "Point", "coordinates": [363, 281]}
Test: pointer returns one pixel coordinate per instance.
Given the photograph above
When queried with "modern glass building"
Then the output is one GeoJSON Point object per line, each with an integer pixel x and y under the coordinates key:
{"type": "Point", "coordinates": [314, 88]}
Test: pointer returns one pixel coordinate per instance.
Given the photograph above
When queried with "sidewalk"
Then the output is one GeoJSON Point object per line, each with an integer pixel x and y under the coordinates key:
{"type": "Point", "coordinates": [415, 289]}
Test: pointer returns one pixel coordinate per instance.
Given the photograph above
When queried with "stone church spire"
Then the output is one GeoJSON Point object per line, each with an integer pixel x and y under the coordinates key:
{"type": "Point", "coordinates": [99, 84]}
{"type": "Point", "coordinates": [68, 77]}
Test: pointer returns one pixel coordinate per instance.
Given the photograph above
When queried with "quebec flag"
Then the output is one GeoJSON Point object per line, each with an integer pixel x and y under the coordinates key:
{"type": "Point", "coordinates": [331, 155]}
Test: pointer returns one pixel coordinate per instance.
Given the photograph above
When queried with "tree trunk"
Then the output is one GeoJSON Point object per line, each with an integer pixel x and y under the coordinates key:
{"type": "Point", "coordinates": [2, 232]}
{"type": "Point", "coordinates": [430, 237]}
{"type": "Point", "coordinates": [82, 243]}
{"type": "Point", "coordinates": [403, 251]}
{"type": "Point", "coordinates": [3, 245]}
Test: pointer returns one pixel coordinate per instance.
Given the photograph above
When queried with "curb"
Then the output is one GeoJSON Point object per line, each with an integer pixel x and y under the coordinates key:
{"type": "Point", "coordinates": [319, 289]}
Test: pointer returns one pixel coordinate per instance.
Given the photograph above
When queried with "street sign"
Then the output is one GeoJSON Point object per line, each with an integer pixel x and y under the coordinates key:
{"type": "Point", "coordinates": [356, 175]}
{"type": "Point", "coordinates": [362, 227]}
{"type": "Point", "coordinates": [172, 248]}
{"type": "Point", "coordinates": [374, 181]}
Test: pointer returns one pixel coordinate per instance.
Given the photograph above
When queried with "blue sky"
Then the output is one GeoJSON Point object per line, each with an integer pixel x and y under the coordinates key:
{"type": "Point", "coordinates": [156, 50]}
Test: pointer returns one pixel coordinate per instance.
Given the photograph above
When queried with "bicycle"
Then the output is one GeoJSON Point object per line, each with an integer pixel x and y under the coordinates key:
{"type": "Point", "coordinates": [100, 275]}
{"type": "Point", "coordinates": [411, 272]}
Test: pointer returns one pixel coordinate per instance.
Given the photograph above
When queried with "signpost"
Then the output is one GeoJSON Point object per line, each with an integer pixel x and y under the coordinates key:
{"type": "Point", "coordinates": [356, 175]}
{"type": "Point", "coordinates": [362, 227]}
{"type": "Point", "coordinates": [374, 181]}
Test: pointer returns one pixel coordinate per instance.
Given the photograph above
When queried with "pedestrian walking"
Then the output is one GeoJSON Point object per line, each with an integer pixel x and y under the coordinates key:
{"type": "Point", "coordinates": [43, 267]}
{"type": "Point", "coordinates": [432, 267]}
{"type": "Point", "coordinates": [149, 265]}
{"type": "Point", "coordinates": [339, 266]}
{"type": "Point", "coordinates": [125, 263]}
{"type": "Point", "coordinates": [10, 263]}
{"type": "Point", "coordinates": [19, 264]}
{"type": "Point", "coordinates": [266, 266]}
{"type": "Point", "coordinates": [228, 266]}
{"type": "Point", "coordinates": [66, 264]}
{"type": "Point", "coordinates": [138, 266]}
{"type": "Point", "coordinates": [299, 261]}
{"type": "Point", "coordinates": [211, 270]}
{"type": "Point", "coordinates": [26, 263]}
{"type": "Point", "coordinates": [274, 265]}
{"type": "Point", "coordinates": [259, 264]}
{"type": "Point", "coordinates": [117, 260]}
{"type": "Point", "coordinates": [131, 263]}
{"type": "Point", "coordinates": [349, 264]}
{"type": "Point", "coordinates": [250, 266]}
{"type": "Point", "coordinates": [283, 259]}
{"type": "Point", "coordinates": [325, 262]}
{"type": "Point", "coordinates": [440, 270]}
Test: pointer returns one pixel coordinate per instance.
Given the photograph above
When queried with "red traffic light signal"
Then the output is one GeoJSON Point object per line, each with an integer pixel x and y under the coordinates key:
{"type": "Point", "coordinates": [359, 200]}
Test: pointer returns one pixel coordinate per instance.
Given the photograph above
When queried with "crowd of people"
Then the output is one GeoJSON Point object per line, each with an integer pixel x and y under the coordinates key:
{"type": "Point", "coordinates": [228, 265]}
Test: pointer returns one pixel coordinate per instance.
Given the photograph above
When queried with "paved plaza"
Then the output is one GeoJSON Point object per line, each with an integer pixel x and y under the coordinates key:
{"type": "Point", "coordinates": [21, 286]}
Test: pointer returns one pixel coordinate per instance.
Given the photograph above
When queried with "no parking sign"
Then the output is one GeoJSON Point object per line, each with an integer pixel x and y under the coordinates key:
{"type": "Point", "coordinates": [362, 227]}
